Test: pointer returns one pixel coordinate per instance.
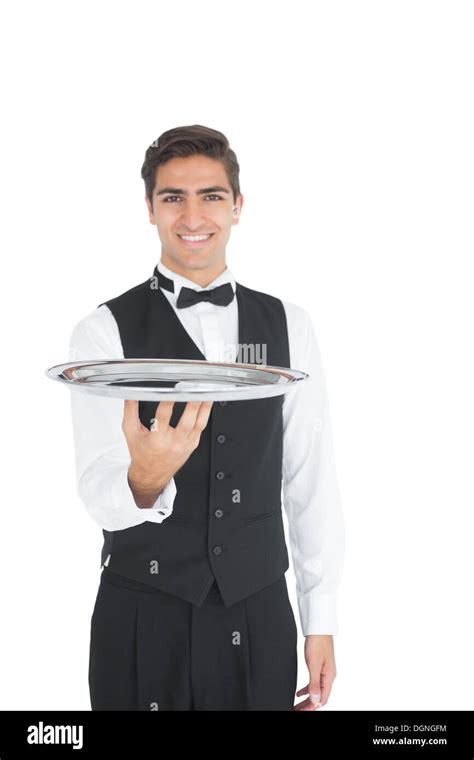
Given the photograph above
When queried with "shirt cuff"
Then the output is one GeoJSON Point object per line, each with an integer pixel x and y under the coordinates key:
{"type": "Point", "coordinates": [318, 613]}
{"type": "Point", "coordinates": [159, 511]}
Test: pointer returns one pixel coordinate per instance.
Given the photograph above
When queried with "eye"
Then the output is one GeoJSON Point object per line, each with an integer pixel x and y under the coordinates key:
{"type": "Point", "coordinates": [173, 197]}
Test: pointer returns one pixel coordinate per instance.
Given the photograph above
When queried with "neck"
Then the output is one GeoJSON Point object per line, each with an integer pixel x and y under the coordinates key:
{"type": "Point", "coordinates": [201, 277]}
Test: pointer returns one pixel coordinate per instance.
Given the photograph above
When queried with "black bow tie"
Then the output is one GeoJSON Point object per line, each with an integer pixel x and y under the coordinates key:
{"type": "Point", "coordinates": [221, 296]}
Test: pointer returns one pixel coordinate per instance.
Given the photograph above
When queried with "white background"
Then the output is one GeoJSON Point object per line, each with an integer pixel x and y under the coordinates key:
{"type": "Point", "coordinates": [353, 126]}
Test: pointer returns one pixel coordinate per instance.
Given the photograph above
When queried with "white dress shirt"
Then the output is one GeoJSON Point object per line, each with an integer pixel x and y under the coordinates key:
{"type": "Point", "coordinates": [310, 491]}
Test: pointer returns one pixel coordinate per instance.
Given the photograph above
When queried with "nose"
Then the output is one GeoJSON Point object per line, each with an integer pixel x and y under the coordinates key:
{"type": "Point", "coordinates": [192, 216]}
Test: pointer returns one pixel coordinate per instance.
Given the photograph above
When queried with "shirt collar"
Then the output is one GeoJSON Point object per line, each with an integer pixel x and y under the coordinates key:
{"type": "Point", "coordinates": [180, 281]}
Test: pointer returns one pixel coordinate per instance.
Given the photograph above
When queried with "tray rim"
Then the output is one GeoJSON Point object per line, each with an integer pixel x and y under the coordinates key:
{"type": "Point", "coordinates": [264, 390]}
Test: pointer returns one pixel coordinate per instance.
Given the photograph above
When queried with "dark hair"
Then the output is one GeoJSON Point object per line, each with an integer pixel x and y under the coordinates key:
{"type": "Point", "coordinates": [188, 141]}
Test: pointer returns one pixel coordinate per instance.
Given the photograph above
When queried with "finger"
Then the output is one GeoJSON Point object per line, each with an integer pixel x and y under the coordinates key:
{"type": "Point", "coordinates": [163, 413]}
{"type": "Point", "coordinates": [188, 417]}
{"type": "Point", "coordinates": [203, 415]}
{"type": "Point", "coordinates": [131, 420]}
{"type": "Point", "coordinates": [298, 706]}
{"type": "Point", "coordinates": [325, 690]}
{"type": "Point", "coordinates": [304, 706]}
{"type": "Point", "coordinates": [307, 704]}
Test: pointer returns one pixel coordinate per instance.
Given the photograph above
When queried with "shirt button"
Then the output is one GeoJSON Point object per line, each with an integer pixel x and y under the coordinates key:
{"type": "Point", "coordinates": [217, 550]}
{"type": "Point", "coordinates": [222, 403]}
{"type": "Point", "coordinates": [220, 475]}
{"type": "Point", "coordinates": [221, 438]}
{"type": "Point", "coordinates": [219, 512]}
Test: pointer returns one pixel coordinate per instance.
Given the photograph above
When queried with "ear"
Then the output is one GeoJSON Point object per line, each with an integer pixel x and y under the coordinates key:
{"type": "Point", "coordinates": [239, 203]}
{"type": "Point", "coordinates": [151, 215]}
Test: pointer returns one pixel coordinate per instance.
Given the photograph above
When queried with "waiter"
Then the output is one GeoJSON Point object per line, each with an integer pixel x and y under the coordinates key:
{"type": "Point", "coordinates": [192, 610]}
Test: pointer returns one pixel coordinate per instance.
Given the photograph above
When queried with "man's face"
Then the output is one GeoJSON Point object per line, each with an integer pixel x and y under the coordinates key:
{"type": "Point", "coordinates": [192, 196]}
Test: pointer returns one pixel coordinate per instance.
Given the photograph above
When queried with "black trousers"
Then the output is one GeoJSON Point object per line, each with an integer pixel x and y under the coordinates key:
{"type": "Point", "coordinates": [150, 650]}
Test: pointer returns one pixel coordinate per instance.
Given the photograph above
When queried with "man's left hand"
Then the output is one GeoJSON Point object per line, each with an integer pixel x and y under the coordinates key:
{"type": "Point", "coordinates": [319, 656]}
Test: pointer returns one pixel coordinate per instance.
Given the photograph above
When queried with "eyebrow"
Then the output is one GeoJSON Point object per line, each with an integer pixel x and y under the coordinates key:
{"type": "Point", "coordinates": [201, 191]}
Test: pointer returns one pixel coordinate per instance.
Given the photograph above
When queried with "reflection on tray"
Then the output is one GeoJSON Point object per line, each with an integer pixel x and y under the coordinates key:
{"type": "Point", "coordinates": [135, 383]}
{"type": "Point", "coordinates": [185, 385]}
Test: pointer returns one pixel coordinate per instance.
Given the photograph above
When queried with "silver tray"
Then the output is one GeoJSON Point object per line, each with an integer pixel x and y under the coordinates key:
{"type": "Point", "coordinates": [176, 379]}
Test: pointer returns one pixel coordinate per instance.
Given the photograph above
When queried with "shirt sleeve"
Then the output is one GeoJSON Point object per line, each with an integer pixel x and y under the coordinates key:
{"type": "Point", "coordinates": [310, 490]}
{"type": "Point", "coordinates": [102, 457]}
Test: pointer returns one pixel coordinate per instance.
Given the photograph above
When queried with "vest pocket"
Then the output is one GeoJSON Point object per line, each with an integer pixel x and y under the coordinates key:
{"type": "Point", "coordinates": [264, 516]}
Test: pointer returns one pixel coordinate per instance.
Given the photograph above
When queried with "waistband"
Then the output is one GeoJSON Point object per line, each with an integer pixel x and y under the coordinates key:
{"type": "Point", "coordinates": [121, 580]}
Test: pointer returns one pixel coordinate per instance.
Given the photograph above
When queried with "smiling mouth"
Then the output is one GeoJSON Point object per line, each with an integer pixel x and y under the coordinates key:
{"type": "Point", "coordinates": [195, 241]}
{"type": "Point", "coordinates": [196, 238]}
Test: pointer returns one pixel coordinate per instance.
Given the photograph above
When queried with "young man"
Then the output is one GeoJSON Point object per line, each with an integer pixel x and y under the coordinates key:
{"type": "Point", "coordinates": [192, 611]}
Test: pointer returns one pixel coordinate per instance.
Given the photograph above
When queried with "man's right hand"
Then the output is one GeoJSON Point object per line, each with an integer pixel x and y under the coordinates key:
{"type": "Point", "coordinates": [157, 454]}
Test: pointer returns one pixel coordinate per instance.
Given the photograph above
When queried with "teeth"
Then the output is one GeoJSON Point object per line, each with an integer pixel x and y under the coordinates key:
{"type": "Point", "coordinates": [194, 238]}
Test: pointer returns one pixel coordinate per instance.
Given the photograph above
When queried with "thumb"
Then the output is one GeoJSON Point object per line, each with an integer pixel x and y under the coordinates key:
{"type": "Point", "coordinates": [314, 689]}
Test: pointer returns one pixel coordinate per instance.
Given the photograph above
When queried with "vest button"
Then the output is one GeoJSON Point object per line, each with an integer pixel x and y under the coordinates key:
{"type": "Point", "coordinates": [222, 403]}
{"type": "Point", "coordinates": [217, 550]}
{"type": "Point", "coordinates": [221, 438]}
{"type": "Point", "coordinates": [220, 475]}
{"type": "Point", "coordinates": [219, 512]}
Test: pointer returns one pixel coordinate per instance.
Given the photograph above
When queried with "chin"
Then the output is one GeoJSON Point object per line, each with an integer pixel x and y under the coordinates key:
{"type": "Point", "coordinates": [198, 258]}
{"type": "Point", "coordinates": [191, 261]}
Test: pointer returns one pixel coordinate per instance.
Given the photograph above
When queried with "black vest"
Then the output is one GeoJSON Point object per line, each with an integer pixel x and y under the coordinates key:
{"type": "Point", "coordinates": [227, 516]}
